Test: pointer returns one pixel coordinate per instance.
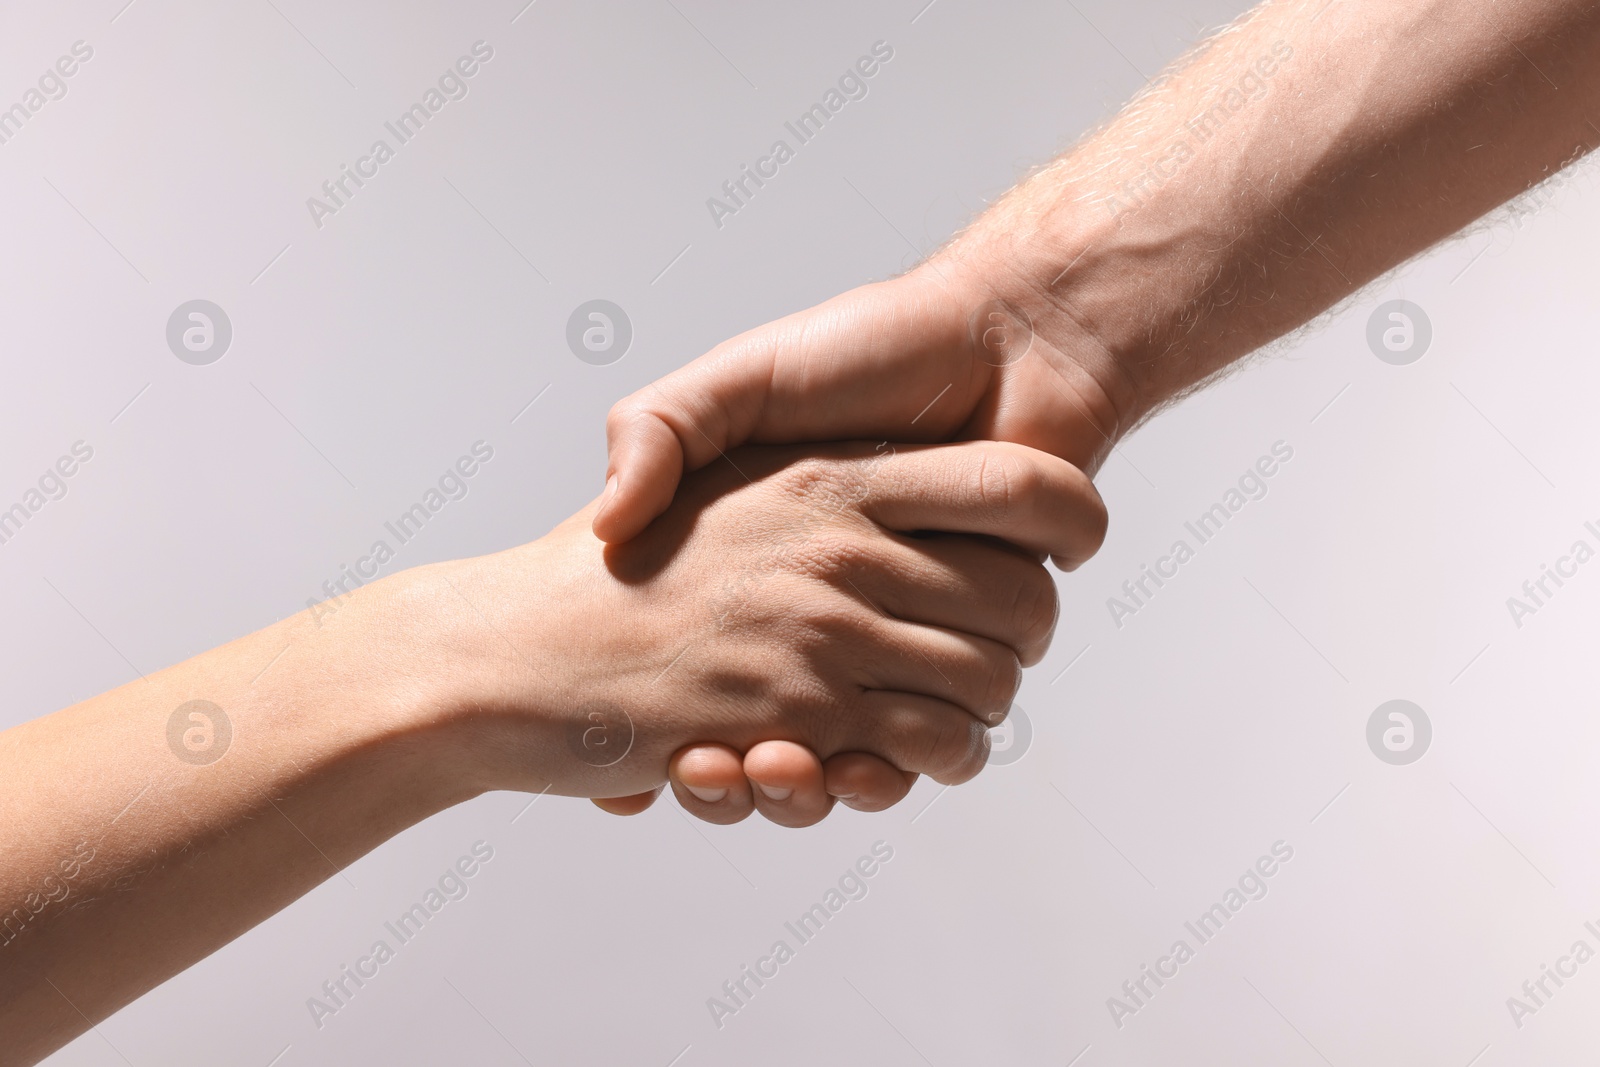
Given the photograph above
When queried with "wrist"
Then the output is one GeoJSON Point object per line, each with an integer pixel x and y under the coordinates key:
{"type": "Point", "coordinates": [399, 686]}
{"type": "Point", "coordinates": [516, 685]}
{"type": "Point", "coordinates": [1075, 375]}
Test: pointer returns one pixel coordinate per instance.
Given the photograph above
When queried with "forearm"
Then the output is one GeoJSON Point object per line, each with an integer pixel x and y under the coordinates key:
{"type": "Point", "coordinates": [135, 847]}
{"type": "Point", "coordinates": [1285, 164]}
{"type": "Point", "coordinates": [747, 614]}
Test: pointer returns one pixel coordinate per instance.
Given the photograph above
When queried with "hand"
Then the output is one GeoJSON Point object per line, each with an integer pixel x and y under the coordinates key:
{"type": "Point", "coordinates": [782, 598]}
{"type": "Point", "coordinates": [926, 357]}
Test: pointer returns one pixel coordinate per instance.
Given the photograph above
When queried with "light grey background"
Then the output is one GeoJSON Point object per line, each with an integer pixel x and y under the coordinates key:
{"type": "Point", "coordinates": [1228, 715]}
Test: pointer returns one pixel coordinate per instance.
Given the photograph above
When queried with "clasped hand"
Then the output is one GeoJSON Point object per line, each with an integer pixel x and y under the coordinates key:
{"type": "Point", "coordinates": [820, 623]}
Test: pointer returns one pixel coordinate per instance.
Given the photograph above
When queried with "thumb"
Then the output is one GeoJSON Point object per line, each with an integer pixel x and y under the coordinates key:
{"type": "Point", "coordinates": [645, 467]}
{"type": "Point", "coordinates": [888, 360]}
{"type": "Point", "coordinates": [683, 421]}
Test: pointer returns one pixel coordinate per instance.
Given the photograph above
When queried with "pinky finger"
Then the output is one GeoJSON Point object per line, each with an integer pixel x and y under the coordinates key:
{"type": "Point", "coordinates": [629, 805]}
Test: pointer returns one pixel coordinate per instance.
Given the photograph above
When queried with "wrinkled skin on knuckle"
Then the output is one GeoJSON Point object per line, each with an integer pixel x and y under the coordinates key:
{"type": "Point", "coordinates": [829, 635]}
{"type": "Point", "coordinates": [782, 685]}
{"type": "Point", "coordinates": [955, 751]}
{"type": "Point", "coordinates": [813, 700]}
{"type": "Point", "coordinates": [831, 554]}
{"type": "Point", "coordinates": [1034, 613]}
{"type": "Point", "coordinates": [810, 714]}
{"type": "Point", "coordinates": [1000, 688]}
{"type": "Point", "coordinates": [778, 630]}
{"type": "Point", "coordinates": [1007, 485]}
{"type": "Point", "coordinates": [822, 485]}
{"type": "Point", "coordinates": [993, 484]}
{"type": "Point", "coordinates": [837, 723]}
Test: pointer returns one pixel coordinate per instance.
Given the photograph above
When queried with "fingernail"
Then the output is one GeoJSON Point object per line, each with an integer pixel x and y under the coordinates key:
{"type": "Point", "coordinates": [610, 491]}
{"type": "Point", "coordinates": [773, 792]}
{"type": "Point", "coordinates": [845, 796]}
{"type": "Point", "coordinates": [710, 796]}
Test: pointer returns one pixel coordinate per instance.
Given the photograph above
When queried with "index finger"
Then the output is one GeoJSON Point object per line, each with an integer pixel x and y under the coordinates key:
{"type": "Point", "coordinates": [1032, 499]}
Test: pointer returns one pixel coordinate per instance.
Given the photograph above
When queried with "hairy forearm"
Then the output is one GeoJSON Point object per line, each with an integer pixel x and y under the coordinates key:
{"type": "Point", "coordinates": [1292, 159]}
{"type": "Point", "coordinates": [136, 846]}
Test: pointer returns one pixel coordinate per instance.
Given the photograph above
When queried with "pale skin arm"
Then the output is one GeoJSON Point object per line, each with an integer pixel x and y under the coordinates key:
{"type": "Point", "coordinates": [780, 602]}
{"type": "Point", "coordinates": [1367, 131]}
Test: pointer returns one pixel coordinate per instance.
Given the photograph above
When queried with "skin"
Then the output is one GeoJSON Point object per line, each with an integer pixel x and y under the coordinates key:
{"type": "Point", "coordinates": [785, 597]}
{"type": "Point", "coordinates": [1084, 301]}
{"type": "Point", "coordinates": [1130, 271]}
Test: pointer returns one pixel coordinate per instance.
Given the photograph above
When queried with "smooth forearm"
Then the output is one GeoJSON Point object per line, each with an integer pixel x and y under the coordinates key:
{"type": "Point", "coordinates": [143, 834]}
{"type": "Point", "coordinates": [1278, 169]}
{"type": "Point", "coordinates": [136, 846]}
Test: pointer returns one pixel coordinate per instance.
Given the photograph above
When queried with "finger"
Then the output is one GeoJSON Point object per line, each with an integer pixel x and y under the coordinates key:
{"type": "Point", "coordinates": [647, 461]}
{"type": "Point", "coordinates": [628, 805]}
{"type": "Point", "coordinates": [709, 782]}
{"type": "Point", "coordinates": [968, 584]}
{"type": "Point", "coordinates": [867, 363]}
{"type": "Point", "coordinates": [862, 781]}
{"type": "Point", "coordinates": [976, 674]}
{"type": "Point", "coordinates": [918, 734]}
{"type": "Point", "coordinates": [1030, 498]}
{"type": "Point", "coordinates": [788, 783]}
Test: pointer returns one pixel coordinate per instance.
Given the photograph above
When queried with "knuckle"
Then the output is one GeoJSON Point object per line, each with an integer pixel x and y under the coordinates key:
{"type": "Point", "coordinates": [1092, 522]}
{"type": "Point", "coordinates": [832, 554]}
{"type": "Point", "coordinates": [804, 473]}
{"type": "Point", "coordinates": [1000, 688]}
{"type": "Point", "coordinates": [994, 483]}
{"type": "Point", "coordinates": [1007, 483]}
{"type": "Point", "coordinates": [830, 642]}
{"type": "Point", "coordinates": [1035, 610]}
{"type": "Point", "coordinates": [825, 626]}
{"type": "Point", "coordinates": [949, 746]}
{"type": "Point", "coordinates": [1097, 520]}
{"type": "Point", "coordinates": [817, 713]}
{"type": "Point", "coordinates": [819, 481]}
{"type": "Point", "coordinates": [622, 414]}
{"type": "Point", "coordinates": [961, 752]}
